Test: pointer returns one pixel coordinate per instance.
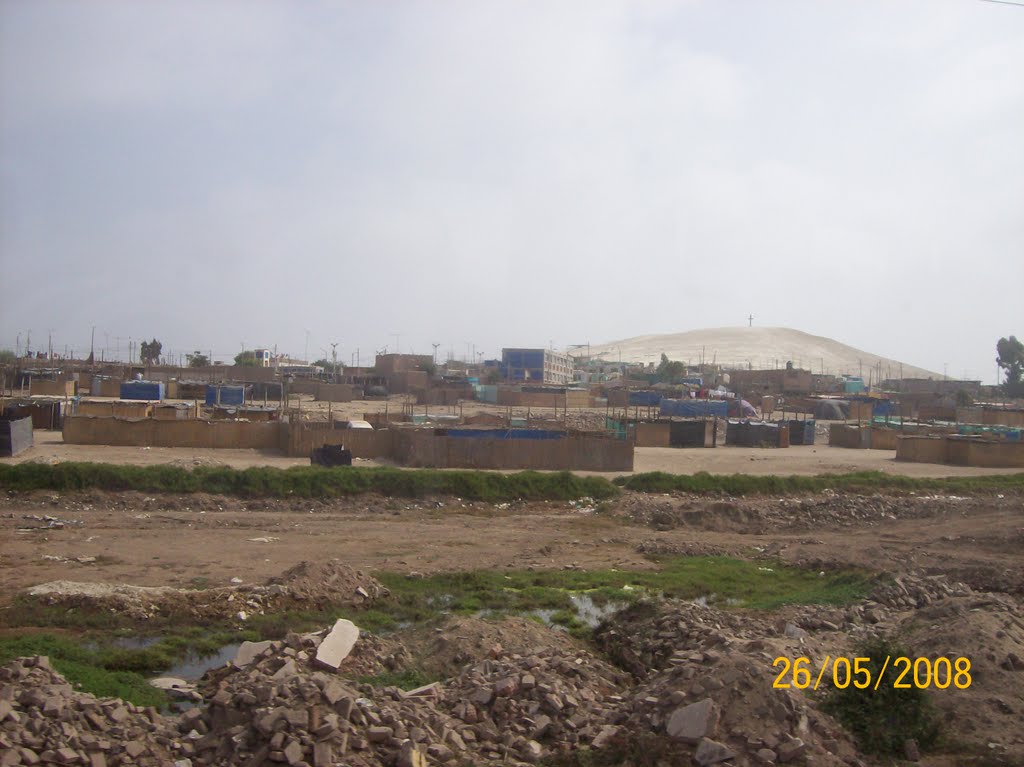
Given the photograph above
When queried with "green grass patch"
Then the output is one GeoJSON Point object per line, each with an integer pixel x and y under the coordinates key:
{"type": "Point", "coordinates": [306, 481]}
{"type": "Point", "coordinates": [722, 580]}
{"type": "Point", "coordinates": [882, 720]}
{"type": "Point", "coordinates": [703, 483]}
{"type": "Point", "coordinates": [408, 679]}
{"type": "Point", "coordinates": [101, 672]}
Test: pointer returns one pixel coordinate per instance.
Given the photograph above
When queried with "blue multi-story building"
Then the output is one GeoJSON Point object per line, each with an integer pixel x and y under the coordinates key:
{"type": "Point", "coordinates": [542, 366]}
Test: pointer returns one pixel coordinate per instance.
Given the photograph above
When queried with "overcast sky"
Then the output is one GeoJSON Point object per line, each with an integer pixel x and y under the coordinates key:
{"type": "Point", "coordinates": [394, 174]}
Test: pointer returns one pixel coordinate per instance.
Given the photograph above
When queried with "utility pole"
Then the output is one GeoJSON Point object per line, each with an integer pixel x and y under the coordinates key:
{"type": "Point", "coordinates": [398, 339]}
{"type": "Point", "coordinates": [334, 359]}
{"type": "Point", "coordinates": [92, 346]}
{"type": "Point", "coordinates": [435, 352]}
{"type": "Point", "coordinates": [750, 321]}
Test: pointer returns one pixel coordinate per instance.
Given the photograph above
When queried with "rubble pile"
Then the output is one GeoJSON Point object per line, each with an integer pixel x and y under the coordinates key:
{"type": "Point", "coordinates": [792, 514]}
{"type": "Point", "coordinates": [703, 677]}
{"type": "Point", "coordinates": [524, 706]}
{"type": "Point", "coordinates": [909, 592]}
{"type": "Point", "coordinates": [309, 586]}
{"type": "Point", "coordinates": [43, 719]}
{"type": "Point", "coordinates": [644, 638]}
{"type": "Point", "coordinates": [328, 584]}
{"type": "Point", "coordinates": [288, 703]}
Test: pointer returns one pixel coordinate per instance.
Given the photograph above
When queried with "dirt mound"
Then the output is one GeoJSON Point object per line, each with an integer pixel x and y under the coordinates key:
{"type": "Point", "coordinates": [712, 670]}
{"type": "Point", "coordinates": [765, 515]}
{"type": "Point", "coordinates": [444, 651]}
{"type": "Point", "coordinates": [645, 637]}
{"type": "Point", "coordinates": [308, 585]}
{"type": "Point", "coordinates": [989, 630]}
{"type": "Point", "coordinates": [330, 583]}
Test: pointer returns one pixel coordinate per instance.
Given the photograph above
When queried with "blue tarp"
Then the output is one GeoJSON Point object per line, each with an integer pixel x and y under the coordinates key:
{"type": "Point", "coordinates": [505, 433]}
{"type": "Point", "coordinates": [694, 408]}
{"type": "Point", "coordinates": [645, 398]}
{"type": "Point", "coordinates": [229, 395]}
{"type": "Point", "coordinates": [144, 390]}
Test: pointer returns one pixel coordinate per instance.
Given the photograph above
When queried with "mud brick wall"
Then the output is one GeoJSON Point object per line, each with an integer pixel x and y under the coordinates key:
{"type": "Point", "coordinates": [87, 430]}
{"type": "Point", "coordinates": [652, 435]}
{"type": "Point", "coordinates": [842, 435]}
{"type": "Point", "coordinates": [302, 438]}
{"type": "Point", "coordinates": [422, 448]}
{"type": "Point", "coordinates": [335, 392]}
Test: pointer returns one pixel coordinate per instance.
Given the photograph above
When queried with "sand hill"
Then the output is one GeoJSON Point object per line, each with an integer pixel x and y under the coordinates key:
{"type": "Point", "coordinates": [759, 348]}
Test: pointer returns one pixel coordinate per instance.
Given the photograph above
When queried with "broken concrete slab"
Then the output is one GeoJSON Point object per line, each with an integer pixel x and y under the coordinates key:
{"type": "Point", "coordinates": [249, 651]}
{"type": "Point", "coordinates": [337, 644]}
{"type": "Point", "coordinates": [693, 722]}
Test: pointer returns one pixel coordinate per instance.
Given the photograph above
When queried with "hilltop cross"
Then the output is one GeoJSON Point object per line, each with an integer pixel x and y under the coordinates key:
{"type": "Point", "coordinates": [750, 320]}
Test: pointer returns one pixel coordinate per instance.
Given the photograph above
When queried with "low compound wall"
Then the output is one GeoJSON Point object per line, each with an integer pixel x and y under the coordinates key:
{"type": "Point", "coordinates": [15, 436]}
{"type": "Point", "coordinates": [148, 432]}
{"type": "Point", "coordinates": [52, 388]}
{"type": "Point", "coordinates": [410, 447]}
{"type": "Point", "coordinates": [842, 435]}
{"type": "Point", "coordinates": [424, 449]}
{"type": "Point", "coordinates": [335, 393]}
{"type": "Point", "coordinates": [990, 416]}
{"type": "Point", "coordinates": [570, 399]}
{"type": "Point", "coordinates": [961, 451]}
{"type": "Point", "coordinates": [302, 438]}
{"type": "Point", "coordinates": [653, 435]}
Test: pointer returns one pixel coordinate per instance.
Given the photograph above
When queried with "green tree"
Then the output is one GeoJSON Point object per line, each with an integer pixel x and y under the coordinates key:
{"type": "Point", "coordinates": [669, 370]}
{"type": "Point", "coordinates": [1011, 360]}
{"type": "Point", "coordinates": [328, 365]}
{"type": "Point", "coordinates": [149, 351]}
{"type": "Point", "coordinates": [198, 360]}
{"type": "Point", "coordinates": [7, 357]}
{"type": "Point", "coordinates": [246, 359]}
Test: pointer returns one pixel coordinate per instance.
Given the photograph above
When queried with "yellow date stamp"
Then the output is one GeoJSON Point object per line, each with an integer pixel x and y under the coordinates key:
{"type": "Point", "coordinates": [904, 673]}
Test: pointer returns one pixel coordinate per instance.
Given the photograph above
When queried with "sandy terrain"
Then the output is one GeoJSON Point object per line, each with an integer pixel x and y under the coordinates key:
{"type": "Point", "coordinates": [761, 348]}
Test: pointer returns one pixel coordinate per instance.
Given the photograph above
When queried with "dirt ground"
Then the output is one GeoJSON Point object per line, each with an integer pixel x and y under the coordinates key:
{"type": "Point", "coordinates": [209, 541]}
{"type": "Point", "coordinates": [172, 540]}
{"type": "Point", "coordinates": [800, 459]}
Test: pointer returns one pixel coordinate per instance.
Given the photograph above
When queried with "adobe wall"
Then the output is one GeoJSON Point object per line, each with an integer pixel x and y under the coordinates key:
{"type": "Point", "coordinates": [572, 399]}
{"type": "Point", "coordinates": [921, 449]}
{"type": "Point", "coordinates": [423, 449]}
{"type": "Point", "coordinates": [653, 435]}
{"type": "Point", "coordinates": [883, 439]}
{"type": "Point", "coordinates": [334, 392]}
{"type": "Point", "coordinates": [88, 430]}
{"type": "Point", "coordinates": [52, 388]}
{"type": "Point", "coordinates": [303, 386]}
{"type": "Point", "coordinates": [990, 416]}
{"type": "Point", "coordinates": [842, 435]}
{"type": "Point", "coordinates": [301, 438]}
{"type": "Point", "coordinates": [961, 451]}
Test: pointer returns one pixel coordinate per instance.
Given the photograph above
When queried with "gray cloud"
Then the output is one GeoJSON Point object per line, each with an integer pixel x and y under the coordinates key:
{"type": "Point", "coordinates": [513, 174]}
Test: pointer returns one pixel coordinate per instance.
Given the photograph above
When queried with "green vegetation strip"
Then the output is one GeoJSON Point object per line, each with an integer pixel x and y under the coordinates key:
{"type": "Point", "coordinates": [305, 481]}
{"type": "Point", "coordinates": [864, 481]}
{"type": "Point", "coordinates": [93, 662]}
{"type": "Point", "coordinates": [494, 487]}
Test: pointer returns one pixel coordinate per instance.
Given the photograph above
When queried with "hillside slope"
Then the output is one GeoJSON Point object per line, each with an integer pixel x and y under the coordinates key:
{"type": "Point", "coordinates": [759, 348]}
